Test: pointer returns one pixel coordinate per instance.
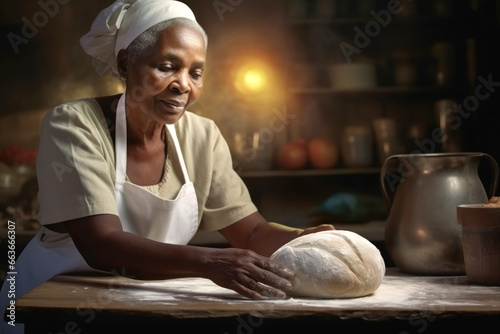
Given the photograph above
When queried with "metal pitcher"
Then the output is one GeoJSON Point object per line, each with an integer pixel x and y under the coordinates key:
{"type": "Point", "coordinates": [422, 192]}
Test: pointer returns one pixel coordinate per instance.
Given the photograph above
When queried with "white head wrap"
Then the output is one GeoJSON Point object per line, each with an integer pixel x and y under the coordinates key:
{"type": "Point", "coordinates": [119, 24]}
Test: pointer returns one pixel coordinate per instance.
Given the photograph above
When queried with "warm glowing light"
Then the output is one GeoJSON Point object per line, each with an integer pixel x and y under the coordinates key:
{"type": "Point", "coordinates": [254, 80]}
{"type": "Point", "coordinates": [251, 79]}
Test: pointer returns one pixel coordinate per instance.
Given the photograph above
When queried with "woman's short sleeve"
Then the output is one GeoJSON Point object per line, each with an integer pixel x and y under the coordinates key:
{"type": "Point", "coordinates": [75, 164]}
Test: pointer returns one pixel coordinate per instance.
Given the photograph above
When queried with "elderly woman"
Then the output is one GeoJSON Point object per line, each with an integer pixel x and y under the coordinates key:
{"type": "Point", "coordinates": [126, 181]}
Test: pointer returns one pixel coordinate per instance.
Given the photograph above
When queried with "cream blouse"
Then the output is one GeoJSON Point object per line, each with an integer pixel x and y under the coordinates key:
{"type": "Point", "coordinates": [76, 168]}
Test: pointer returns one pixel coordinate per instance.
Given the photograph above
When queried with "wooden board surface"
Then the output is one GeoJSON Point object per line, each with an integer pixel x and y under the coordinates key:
{"type": "Point", "coordinates": [399, 296]}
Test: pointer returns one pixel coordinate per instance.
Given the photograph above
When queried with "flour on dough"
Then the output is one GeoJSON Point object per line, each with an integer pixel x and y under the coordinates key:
{"type": "Point", "coordinates": [332, 264]}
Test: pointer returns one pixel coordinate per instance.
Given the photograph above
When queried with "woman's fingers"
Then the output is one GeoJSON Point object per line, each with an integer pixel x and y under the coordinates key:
{"type": "Point", "coordinates": [264, 279]}
{"type": "Point", "coordinates": [252, 275]}
{"type": "Point", "coordinates": [316, 229]}
{"type": "Point", "coordinates": [274, 274]}
{"type": "Point", "coordinates": [254, 289]}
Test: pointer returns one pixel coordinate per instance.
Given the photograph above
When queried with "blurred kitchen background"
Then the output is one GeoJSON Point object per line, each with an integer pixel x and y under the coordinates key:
{"type": "Point", "coordinates": [312, 96]}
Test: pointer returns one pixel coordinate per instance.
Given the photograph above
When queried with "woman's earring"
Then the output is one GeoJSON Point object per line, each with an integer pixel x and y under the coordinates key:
{"type": "Point", "coordinates": [123, 78]}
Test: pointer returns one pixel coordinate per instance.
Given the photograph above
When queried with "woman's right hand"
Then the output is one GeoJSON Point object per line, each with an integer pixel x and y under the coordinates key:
{"type": "Point", "coordinates": [251, 275]}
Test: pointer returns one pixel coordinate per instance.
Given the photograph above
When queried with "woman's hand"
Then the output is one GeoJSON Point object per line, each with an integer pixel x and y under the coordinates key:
{"type": "Point", "coordinates": [248, 273]}
{"type": "Point", "coordinates": [319, 228]}
{"type": "Point", "coordinates": [252, 275]}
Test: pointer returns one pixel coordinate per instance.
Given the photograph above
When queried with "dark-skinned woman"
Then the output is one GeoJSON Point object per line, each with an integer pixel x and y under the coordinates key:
{"type": "Point", "coordinates": [126, 181]}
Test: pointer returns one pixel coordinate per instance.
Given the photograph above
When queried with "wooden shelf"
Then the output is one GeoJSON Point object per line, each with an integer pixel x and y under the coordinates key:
{"type": "Point", "coordinates": [423, 20]}
{"type": "Point", "coordinates": [392, 91]}
{"type": "Point", "coordinates": [375, 90]}
{"type": "Point", "coordinates": [336, 21]}
{"type": "Point", "coordinates": [309, 172]}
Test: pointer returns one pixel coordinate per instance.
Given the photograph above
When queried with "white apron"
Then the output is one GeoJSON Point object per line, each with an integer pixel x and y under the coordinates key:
{"type": "Point", "coordinates": [144, 213]}
{"type": "Point", "coordinates": [141, 212]}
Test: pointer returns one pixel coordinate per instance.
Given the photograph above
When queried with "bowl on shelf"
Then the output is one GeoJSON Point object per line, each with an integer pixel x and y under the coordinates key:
{"type": "Point", "coordinates": [480, 238]}
{"type": "Point", "coordinates": [353, 76]}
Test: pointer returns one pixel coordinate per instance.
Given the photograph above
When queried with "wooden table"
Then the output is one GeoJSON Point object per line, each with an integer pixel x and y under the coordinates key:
{"type": "Point", "coordinates": [110, 304]}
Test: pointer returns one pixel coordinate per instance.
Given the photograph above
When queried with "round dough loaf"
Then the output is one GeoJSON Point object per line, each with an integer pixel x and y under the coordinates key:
{"type": "Point", "coordinates": [332, 264]}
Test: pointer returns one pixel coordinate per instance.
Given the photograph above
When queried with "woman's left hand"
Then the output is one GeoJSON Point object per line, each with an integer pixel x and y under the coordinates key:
{"type": "Point", "coordinates": [319, 228]}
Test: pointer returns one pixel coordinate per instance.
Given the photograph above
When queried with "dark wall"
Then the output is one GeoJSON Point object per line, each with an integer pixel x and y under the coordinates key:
{"type": "Point", "coordinates": [41, 61]}
{"type": "Point", "coordinates": [486, 132]}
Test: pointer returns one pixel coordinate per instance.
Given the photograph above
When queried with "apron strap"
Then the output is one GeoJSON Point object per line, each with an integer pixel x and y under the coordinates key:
{"type": "Point", "coordinates": [121, 144]}
{"type": "Point", "coordinates": [173, 134]}
{"type": "Point", "coordinates": [121, 141]}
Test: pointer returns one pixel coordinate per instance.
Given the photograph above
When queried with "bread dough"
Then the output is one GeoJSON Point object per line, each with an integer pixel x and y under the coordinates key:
{"type": "Point", "coordinates": [332, 264]}
{"type": "Point", "coordinates": [494, 202]}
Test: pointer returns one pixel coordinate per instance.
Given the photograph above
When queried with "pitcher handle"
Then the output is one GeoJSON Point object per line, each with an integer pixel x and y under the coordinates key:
{"type": "Point", "coordinates": [495, 169]}
{"type": "Point", "coordinates": [383, 172]}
